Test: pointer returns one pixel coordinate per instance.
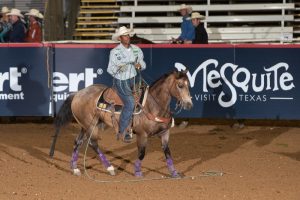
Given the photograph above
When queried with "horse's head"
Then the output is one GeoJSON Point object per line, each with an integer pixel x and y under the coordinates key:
{"type": "Point", "coordinates": [180, 89]}
{"type": "Point", "coordinates": [139, 40]}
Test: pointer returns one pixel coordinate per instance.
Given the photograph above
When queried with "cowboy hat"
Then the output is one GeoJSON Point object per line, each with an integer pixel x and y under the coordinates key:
{"type": "Point", "coordinates": [184, 6]}
{"type": "Point", "coordinates": [35, 13]}
{"type": "Point", "coordinates": [119, 32]}
{"type": "Point", "coordinates": [4, 10]}
{"type": "Point", "coordinates": [196, 15]}
{"type": "Point", "coordinates": [16, 12]}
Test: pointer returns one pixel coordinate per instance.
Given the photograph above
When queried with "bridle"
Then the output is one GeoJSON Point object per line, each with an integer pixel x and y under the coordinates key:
{"type": "Point", "coordinates": [179, 105]}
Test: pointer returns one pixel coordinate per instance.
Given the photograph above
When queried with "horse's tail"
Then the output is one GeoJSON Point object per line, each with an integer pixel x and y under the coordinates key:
{"type": "Point", "coordinates": [63, 117]}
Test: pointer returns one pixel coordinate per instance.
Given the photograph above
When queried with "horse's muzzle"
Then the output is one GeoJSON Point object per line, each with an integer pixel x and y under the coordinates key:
{"type": "Point", "coordinates": [187, 105]}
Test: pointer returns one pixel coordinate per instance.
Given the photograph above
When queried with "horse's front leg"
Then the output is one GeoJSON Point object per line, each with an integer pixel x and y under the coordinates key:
{"type": "Point", "coordinates": [167, 152]}
{"type": "Point", "coordinates": [141, 144]}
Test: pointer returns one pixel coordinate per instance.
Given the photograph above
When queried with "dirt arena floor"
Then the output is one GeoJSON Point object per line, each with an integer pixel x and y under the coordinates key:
{"type": "Point", "coordinates": [256, 162]}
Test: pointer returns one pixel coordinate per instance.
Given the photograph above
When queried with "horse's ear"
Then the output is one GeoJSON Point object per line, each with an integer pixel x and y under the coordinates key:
{"type": "Point", "coordinates": [179, 73]}
{"type": "Point", "coordinates": [185, 71]}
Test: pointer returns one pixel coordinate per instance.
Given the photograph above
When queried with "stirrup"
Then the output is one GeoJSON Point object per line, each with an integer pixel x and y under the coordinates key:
{"type": "Point", "coordinates": [126, 137]}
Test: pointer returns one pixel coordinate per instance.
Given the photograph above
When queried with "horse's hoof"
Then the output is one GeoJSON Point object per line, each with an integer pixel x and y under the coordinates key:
{"type": "Point", "coordinates": [175, 174]}
{"type": "Point", "coordinates": [111, 170]}
{"type": "Point", "coordinates": [138, 174]}
{"type": "Point", "coordinates": [76, 172]}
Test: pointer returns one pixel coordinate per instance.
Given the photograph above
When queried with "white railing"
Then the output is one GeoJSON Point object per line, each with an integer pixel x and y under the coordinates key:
{"type": "Point", "coordinates": [256, 24]}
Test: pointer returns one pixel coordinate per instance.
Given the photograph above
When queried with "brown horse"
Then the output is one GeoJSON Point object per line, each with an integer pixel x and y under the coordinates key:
{"type": "Point", "coordinates": [155, 118]}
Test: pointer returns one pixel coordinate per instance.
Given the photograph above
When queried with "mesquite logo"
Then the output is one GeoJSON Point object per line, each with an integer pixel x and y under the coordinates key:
{"type": "Point", "coordinates": [240, 81]}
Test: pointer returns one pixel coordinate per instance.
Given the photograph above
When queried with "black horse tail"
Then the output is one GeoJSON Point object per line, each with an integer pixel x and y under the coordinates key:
{"type": "Point", "coordinates": [63, 117]}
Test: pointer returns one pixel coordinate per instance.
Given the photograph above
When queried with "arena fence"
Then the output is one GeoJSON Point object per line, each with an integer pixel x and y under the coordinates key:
{"type": "Point", "coordinates": [227, 81]}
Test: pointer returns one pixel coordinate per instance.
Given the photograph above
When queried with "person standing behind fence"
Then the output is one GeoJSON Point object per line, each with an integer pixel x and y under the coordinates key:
{"type": "Point", "coordinates": [124, 61]}
{"type": "Point", "coordinates": [187, 28]}
{"type": "Point", "coordinates": [201, 36]}
{"type": "Point", "coordinates": [34, 33]}
{"type": "Point", "coordinates": [5, 26]}
{"type": "Point", "coordinates": [18, 31]}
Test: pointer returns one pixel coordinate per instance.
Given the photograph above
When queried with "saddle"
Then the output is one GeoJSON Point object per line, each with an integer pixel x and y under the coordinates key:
{"type": "Point", "coordinates": [110, 98]}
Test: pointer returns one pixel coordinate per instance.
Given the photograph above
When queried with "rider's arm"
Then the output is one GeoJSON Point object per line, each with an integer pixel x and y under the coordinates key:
{"type": "Point", "coordinates": [140, 60]}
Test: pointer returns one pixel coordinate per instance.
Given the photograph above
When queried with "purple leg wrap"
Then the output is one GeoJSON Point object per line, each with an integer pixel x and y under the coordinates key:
{"type": "Point", "coordinates": [137, 168]}
{"type": "Point", "coordinates": [171, 167]}
{"type": "Point", "coordinates": [74, 159]}
{"type": "Point", "coordinates": [103, 159]}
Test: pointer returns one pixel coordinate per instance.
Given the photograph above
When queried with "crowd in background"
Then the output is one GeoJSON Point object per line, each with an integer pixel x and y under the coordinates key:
{"type": "Point", "coordinates": [192, 28]}
{"type": "Point", "coordinates": [14, 27]}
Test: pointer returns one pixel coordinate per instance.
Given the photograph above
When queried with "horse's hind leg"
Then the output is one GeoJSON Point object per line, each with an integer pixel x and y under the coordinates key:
{"type": "Point", "coordinates": [78, 142]}
{"type": "Point", "coordinates": [167, 152]}
{"type": "Point", "coordinates": [94, 144]}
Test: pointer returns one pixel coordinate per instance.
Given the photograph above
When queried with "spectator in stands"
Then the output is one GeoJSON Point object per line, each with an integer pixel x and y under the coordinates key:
{"type": "Point", "coordinates": [201, 36]}
{"type": "Point", "coordinates": [34, 33]}
{"type": "Point", "coordinates": [187, 29]}
{"type": "Point", "coordinates": [18, 31]}
{"type": "Point", "coordinates": [5, 26]}
{"type": "Point", "coordinates": [124, 61]}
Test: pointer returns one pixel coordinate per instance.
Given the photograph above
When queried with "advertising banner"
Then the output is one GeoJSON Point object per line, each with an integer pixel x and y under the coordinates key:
{"type": "Point", "coordinates": [24, 80]}
{"type": "Point", "coordinates": [227, 81]}
{"type": "Point", "coordinates": [76, 67]}
{"type": "Point", "coordinates": [241, 81]}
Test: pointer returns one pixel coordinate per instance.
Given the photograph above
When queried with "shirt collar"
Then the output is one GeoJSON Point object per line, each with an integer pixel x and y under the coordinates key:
{"type": "Point", "coordinates": [123, 47]}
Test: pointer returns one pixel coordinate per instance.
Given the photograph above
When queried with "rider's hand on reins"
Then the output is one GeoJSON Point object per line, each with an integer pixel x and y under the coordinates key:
{"type": "Point", "coordinates": [137, 65]}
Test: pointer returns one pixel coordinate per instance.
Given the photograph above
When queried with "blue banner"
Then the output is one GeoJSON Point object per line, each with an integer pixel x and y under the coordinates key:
{"type": "Point", "coordinates": [24, 79]}
{"type": "Point", "coordinates": [76, 68]}
{"type": "Point", "coordinates": [227, 81]}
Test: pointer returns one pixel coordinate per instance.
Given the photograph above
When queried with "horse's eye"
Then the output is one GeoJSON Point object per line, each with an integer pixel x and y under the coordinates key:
{"type": "Point", "coordinates": [180, 85]}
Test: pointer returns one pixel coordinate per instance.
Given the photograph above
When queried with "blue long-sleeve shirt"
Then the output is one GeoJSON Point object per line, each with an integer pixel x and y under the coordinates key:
{"type": "Point", "coordinates": [122, 60]}
{"type": "Point", "coordinates": [187, 29]}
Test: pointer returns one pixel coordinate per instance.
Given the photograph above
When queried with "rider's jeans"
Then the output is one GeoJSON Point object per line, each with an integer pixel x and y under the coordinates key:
{"type": "Point", "coordinates": [124, 89]}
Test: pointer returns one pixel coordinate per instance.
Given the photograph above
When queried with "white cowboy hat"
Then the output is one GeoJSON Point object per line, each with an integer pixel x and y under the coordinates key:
{"type": "Point", "coordinates": [121, 31]}
{"type": "Point", "coordinates": [16, 12]}
{"type": "Point", "coordinates": [196, 15]}
{"type": "Point", "coordinates": [35, 13]}
{"type": "Point", "coordinates": [4, 10]}
{"type": "Point", "coordinates": [184, 6]}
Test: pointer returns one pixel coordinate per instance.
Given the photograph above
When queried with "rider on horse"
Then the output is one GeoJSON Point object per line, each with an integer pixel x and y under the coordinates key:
{"type": "Point", "coordinates": [124, 61]}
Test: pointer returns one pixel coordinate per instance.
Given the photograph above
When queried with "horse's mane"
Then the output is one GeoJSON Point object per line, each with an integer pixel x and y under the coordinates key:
{"type": "Point", "coordinates": [160, 80]}
{"type": "Point", "coordinates": [165, 76]}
